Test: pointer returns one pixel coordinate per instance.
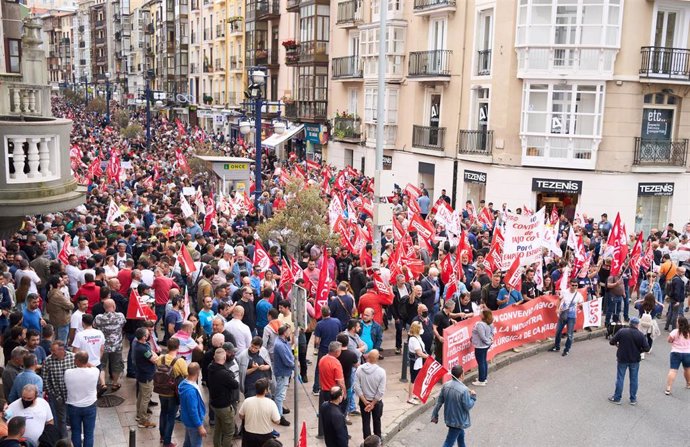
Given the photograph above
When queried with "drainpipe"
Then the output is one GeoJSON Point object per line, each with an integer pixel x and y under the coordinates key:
{"type": "Point", "coordinates": [462, 97]}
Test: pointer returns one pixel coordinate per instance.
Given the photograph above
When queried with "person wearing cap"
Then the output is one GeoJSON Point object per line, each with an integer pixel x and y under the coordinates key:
{"type": "Point", "coordinates": [631, 343]}
{"type": "Point", "coordinates": [570, 301]}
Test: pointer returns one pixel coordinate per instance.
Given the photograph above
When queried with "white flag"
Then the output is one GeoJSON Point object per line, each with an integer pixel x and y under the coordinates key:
{"type": "Point", "coordinates": [592, 313]}
{"type": "Point", "coordinates": [187, 210]}
{"type": "Point", "coordinates": [113, 212]}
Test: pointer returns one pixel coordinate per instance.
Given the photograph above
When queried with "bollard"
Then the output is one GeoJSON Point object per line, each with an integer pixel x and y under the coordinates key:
{"type": "Point", "coordinates": [132, 437]}
{"type": "Point", "coordinates": [405, 362]}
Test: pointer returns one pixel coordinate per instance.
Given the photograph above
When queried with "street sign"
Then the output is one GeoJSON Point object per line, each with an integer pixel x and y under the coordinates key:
{"type": "Point", "coordinates": [299, 301]}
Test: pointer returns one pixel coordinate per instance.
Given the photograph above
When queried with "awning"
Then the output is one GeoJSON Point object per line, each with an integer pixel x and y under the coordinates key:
{"type": "Point", "coordinates": [275, 139]}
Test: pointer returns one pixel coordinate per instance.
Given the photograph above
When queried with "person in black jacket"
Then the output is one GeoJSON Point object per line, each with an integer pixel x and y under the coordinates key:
{"type": "Point", "coordinates": [677, 295]}
{"type": "Point", "coordinates": [358, 278]}
{"type": "Point", "coordinates": [631, 342]}
{"type": "Point", "coordinates": [221, 389]}
{"type": "Point", "coordinates": [333, 419]}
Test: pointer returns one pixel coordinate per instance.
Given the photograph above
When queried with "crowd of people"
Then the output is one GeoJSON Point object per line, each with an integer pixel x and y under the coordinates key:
{"type": "Point", "coordinates": [76, 285]}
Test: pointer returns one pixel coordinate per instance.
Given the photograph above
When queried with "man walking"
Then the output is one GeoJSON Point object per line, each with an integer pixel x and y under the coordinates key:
{"type": "Point", "coordinates": [677, 295]}
{"type": "Point", "coordinates": [145, 360]}
{"type": "Point", "coordinates": [370, 385]}
{"type": "Point", "coordinates": [325, 333]}
{"type": "Point", "coordinates": [169, 366]}
{"type": "Point", "coordinates": [192, 407]}
{"type": "Point", "coordinates": [81, 385]}
{"type": "Point", "coordinates": [283, 367]}
{"type": "Point", "coordinates": [458, 401]}
{"type": "Point", "coordinates": [59, 362]}
{"type": "Point", "coordinates": [330, 375]}
{"type": "Point", "coordinates": [221, 389]}
{"type": "Point", "coordinates": [631, 342]}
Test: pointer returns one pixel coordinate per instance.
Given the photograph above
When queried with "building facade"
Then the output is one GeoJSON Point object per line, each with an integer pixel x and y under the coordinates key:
{"type": "Point", "coordinates": [529, 102]}
{"type": "Point", "coordinates": [57, 38]}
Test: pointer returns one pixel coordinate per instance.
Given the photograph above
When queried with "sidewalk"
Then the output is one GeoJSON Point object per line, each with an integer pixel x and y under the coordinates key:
{"type": "Point", "coordinates": [113, 424]}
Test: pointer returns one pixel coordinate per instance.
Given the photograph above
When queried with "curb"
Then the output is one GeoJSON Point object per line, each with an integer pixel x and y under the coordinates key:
{"type": "Point", "coordinates": [502, 360]}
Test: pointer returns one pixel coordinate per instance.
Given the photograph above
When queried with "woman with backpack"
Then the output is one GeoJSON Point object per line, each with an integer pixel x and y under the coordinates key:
{"type": "Point", "coordinates": [649, 309]}
{"type": "Point", "coordinates": [680, 353]}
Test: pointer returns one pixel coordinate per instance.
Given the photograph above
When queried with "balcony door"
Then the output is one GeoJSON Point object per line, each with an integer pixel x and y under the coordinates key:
{"type": "Point", "coordinates": [667, 36]}
{"type": "Point", "coordinates": [434, 118]}
{"type": "Point", "coordinates": [437, 44]}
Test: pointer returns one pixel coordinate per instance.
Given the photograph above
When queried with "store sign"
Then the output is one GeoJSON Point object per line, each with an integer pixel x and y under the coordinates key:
{"type": "Point", "coordinates": [235, 166]}
{"type": "Point", "coordinates": [316, 133]}
{"type": "Point", "coordinates": [557, 186]}
{"type": "Point", "coordinates": [655, 189]}
{"type": "Point", "coordinates": [475, 177]}
{"type": "Point", "coordinates": [657, 124]}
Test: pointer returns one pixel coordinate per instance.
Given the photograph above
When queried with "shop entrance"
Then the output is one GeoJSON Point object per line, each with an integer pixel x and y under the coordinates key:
{"type": "Point", "coordinates": [565, 203]}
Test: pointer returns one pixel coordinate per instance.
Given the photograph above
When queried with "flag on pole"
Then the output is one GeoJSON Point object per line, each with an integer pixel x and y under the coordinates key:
{"type": "Point", "coordinates": [428, 376]}
{"type": "Point", "coordinates": [134, 309]}
{"type": "Point", "coordinates": [187, 210]}
{"type": "Point", "coordinates": [186, 260]}
{"type": "Point", "coordinates": [113, 212]}
{"type": "Point", "coordinates": [65, 251]}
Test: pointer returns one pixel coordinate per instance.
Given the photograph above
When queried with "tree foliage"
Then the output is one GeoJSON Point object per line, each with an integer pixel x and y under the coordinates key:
{"type": "Point", "coordinates": [302, 221]}
{"type": "Point", "coordinates": [96, 105]}
{"type": "Point", "coordinates": [121, 118]}
{"type": "Point", "coordinates": [132, 131]}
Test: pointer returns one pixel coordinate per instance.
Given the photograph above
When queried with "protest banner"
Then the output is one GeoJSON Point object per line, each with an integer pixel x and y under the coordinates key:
{"type": "Point", "coordinates": [515, 326]}
{"type": "Point", "coordinates": [523, 238]}
{"type": "Point", "coordinates": [431, 372]}
{"type": "Point", "coordinates": [591, 311]}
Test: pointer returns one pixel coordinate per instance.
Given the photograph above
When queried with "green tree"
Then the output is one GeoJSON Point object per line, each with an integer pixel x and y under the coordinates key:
{"type": "Point", "coordinates": [121, 117]}
{"type": "Point", "coordinates": [96, 105]}
{"type": "Point", "coordinates": [302, 221]}
{"type": "Point", "coordinates": [132, 131]}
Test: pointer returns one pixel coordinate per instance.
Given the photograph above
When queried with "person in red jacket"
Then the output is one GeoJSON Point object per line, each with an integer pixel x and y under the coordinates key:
{"type": "Point", "coordinates": [375, 301]}
{"type": "Point", "coordinates": [90, 290]}
{"type": "Point", "coordinates": [125, 277]}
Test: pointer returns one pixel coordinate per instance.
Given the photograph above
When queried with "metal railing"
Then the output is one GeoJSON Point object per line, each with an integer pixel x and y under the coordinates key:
{"type": "Point", "coordinates": [477, 142]}
{"type": "Point", "coordinates": [429, 63]}
{"type": "Point", "coordinates": [661, 62]}
{"type": "Point", "coordinates": [267, 8]}
{"type": "Point", "coordinates": [660, 152]}
{"type": "Point", "coordinates": [349, 12]}
{"type": "Point", "coordinates": [313, 50]}
{"type": "Point", "coordinates": [292, 5]}
{"type": "Point", "coordinates": [312, 110]}
{"type": "Point", "coordinates": [346, 67]}
{"type": "Point", "coordinates": [428, 137]}
{"type": "Point", "coordinates": [484, 62]}
{"type": "Point", "coordinates": [420, 5]}
{"type": "Point", "coordinates": [347, 128]}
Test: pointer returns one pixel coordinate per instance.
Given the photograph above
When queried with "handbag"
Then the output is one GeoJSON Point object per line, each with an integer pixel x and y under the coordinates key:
{"type": "Point", "coordinates": [563, 314]}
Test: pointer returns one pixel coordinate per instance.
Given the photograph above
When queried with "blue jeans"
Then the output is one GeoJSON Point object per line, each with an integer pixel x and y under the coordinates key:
{"type": "Point", "coordinates": [192, 438]}
{"type": "Point", "coordinates": [166, 422]}
{"type": "Point", "coordinates": [482, 364]}
{"type": "Point", "coordinates": [79, 416]}
{"type": "Point", "coordinates": [455, 435]}
{"type": "Point", "coordinates": [351, 399]}
{"type": "Point", "coordinates": [626, 303]}
{"type": "Point", "coordinates": [559, 328]}
{"type": "Point", "coordinates": [131, 367]}
{"type": "Point", "coordinates": [673, 314]}
{"type": "Point", "coordinates": [282, 383]}
{"type": "Point", "coordinates": [62, 332]}
{"type": "Point", "coordinates": [614, 307]}
{"type": "Point", "coordinates": [620, 378]}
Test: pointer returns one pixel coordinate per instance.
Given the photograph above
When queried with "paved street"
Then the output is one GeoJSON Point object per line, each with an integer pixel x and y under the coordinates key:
{"type": "Point", "coordinates": [549, 400]}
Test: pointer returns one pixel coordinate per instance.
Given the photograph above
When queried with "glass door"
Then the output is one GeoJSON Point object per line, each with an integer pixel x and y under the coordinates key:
{"type": "Point", "coordinates": [664, 59]}
{"type": "Point", "coordinates": [437, 45]}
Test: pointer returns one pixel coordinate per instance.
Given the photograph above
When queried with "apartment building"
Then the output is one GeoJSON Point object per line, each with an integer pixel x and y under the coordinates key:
{"type": "Point", "coordinates": [529, 102]}
{"type": "Point", "coordinates": [57, 42]}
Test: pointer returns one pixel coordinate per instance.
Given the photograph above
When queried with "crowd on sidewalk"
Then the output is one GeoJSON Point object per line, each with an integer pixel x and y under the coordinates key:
{"type": "Point", "coordinates": [198, 306]}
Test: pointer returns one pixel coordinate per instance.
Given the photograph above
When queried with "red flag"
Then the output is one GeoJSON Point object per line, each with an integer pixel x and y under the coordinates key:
{"type": "Point", "coordinates": [431, 372]}
{"type": "Point", "coordinates": [382, 289]}
{"type": "Point", "coordinates": [648, 258]}
{"type": "Point", "coordinates": [186, 260]}
{"type": "Point", "coordinates": [340, 180]}
{"type": "Point", "coordinates": [182, 161]}
{"type": "Point", "coordinates": [113, 170]}
{"type": "Point", "coordinates": [635, 261]}
{"type": "Point", "coordinates": [63, 256]}
{"type": "Point", "coordinates": [323, 287]}
{"type": "Point", "coordinates": [134, 309]}
{"type": "Point", "coordinates": [616, 236]}
{"type": "Point", "coordinates": [447, 269]}
{"type": "Point", "coordinates": [287, 278]}
{"type": "Point", "coordinates": [303, 435]}
{"type": "Point", "coordinates": [398, 230]}
{"type": "Point", "coordinates": [554, 215]}
{"type": "Point", "coordinates": [486, 217]}
{"type": "Point", "coordinates": [424, 229]}
{"type": "Point", "coordinates": [311, 164]}
{"type": "Point", "coordinates": [180, 127]}
{"type": "Point", "coordinates": [514, 274]}
{"type": "Point", "coordinates": [94, 169]}
{"type": "Point", "coordinates": [464, 247]}
{"type": "Point", "coordinates": [261, 257]}
{"type": "Point", "coordinates": [412, 191]}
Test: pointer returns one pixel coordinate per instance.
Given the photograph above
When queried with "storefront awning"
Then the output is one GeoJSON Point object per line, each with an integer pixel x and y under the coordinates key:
{"type": "Point", "coordinates": [275, 139]}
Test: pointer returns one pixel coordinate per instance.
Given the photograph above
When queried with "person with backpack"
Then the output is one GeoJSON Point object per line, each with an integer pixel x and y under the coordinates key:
{"type": "Point", "coordinates": [171, 369]}
{"type": "Point", "coordinates": [649, 309]}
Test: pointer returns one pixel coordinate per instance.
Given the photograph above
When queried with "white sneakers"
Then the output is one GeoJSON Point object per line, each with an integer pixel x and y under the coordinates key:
{"type": "Point", "coordinates": [478, 383]}
{"type": "Point", "coordinates": [642, 356]}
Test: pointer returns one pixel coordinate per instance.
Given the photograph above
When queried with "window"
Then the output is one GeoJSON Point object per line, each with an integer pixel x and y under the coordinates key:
{"type": "Point", "coordinates": [395, 10]}
{"type": "Point", "coordinates": [13, 53]}
{"type": "Point", "coordinates": [369, 50]}
{"type": "Point", "coordinates": [390, 107]}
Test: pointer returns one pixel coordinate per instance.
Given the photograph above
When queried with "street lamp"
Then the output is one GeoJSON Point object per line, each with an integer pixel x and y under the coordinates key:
{"type": "Point", "coordinates": [258, 79]}
{"type": "Point", "coordinates": [107, 98]}
{"type": "Point", "coordinates": [85, 80]}
{"type": "Point", "coordinates": [148, 75]}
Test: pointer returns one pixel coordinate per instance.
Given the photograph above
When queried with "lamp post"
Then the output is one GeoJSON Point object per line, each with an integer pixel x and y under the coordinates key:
{"type": "Point", "coordinates": [107, 99]}
{"type": "Point", "coordinates": [148, 109]}
{"type": "Point", "coordinates": [85, 80]}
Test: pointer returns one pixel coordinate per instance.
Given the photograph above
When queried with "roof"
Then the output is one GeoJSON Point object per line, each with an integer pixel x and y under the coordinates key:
{"type": "Point", "coordinates": [221, 159]}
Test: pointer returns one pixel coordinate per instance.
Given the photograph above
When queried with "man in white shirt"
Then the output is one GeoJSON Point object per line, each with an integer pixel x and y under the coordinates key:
{"type": "Point", "coordinates": [75, 323]}
{"type": "Point", "coordinates": [81, 385]}
{"type": "Point", "coordinates": [239, 330]}
{"type": "Point", "coordinates": [569, 302]}
{"type": "Point", "coordinates": [75, 275]}
{"type": "Point", "coordinates": [90, 340]}
{"type": "Point", "coordinates": [226, 263]}
{"type": "Point", "coordinates": [26, 270]}
{"type": "Point", "coordinates": [36, 411]}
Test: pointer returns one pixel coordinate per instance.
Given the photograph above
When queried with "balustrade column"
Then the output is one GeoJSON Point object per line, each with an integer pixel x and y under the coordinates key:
{"type": "Point", "coordinates": [18, 158]}
{"type": "Point", "coordinates": [33, 158]}
{"type": "Point", "coordinates": [17, 100]}
{"type": "Point", "coordinates": [44, 156]}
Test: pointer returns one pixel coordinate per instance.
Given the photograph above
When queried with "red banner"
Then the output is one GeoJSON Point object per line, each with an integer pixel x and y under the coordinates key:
{"type": "Point", "coordinates": [515, 326]}
{"type": "Point", "coordinates": [431, 372]}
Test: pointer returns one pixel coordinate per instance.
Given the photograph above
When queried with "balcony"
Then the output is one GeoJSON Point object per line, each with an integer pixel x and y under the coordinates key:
{"type": "Point", "coordinates": [35, 175]}
{"type": "Point", "coordinates": [149, 28]}
{"type": "Point", "coordinates": [99, 23]}
{"type": "Point", "coordinates": [267, 9]}
{"type": "Point", "coordinates": [572, 61]}
{"type": "Point", "coordinates": [665, 64]}
{"type": "Point", "coordinates": [347, 129]}
{"type": "Point", "coordinates": [220, 31]}
{"type": "Point", "coordinates": [235, 63]}
{"type": "Point", "coordinates": [311, 110]}
{"type": "Point", "coordinates": [427, 137]}
{"type": "Point", "coordinates": [291, 110]}
{"type": "Point", "coordinates": [346, 68]}
{"type": "Point", "coordinates": [82, 44]}
{"type": "Point", "coordinates": [313, 51]}
{"type": "Point", "coordinates": [236, 27]}
{"type": "Point", "coordinates": [672, 153]}
{"type": "Point", "coordinates": [207, 34]}
{"type": "Point", "coordinates": [293, 5]}
{"type": "Point", "coordinates": [292, 55]}
{"type": "Point", "coordinates": [483, 62]}
{"type": "Point", "coordinates": [428, 7]}
{"type": "Point", "coordinates": [349, 13]}
{"type": "Point", "coordinates": [434, 64]}
{"type": "Point", "coordinates": [559, 151]}
{"type": "Point", "coordinates": [475, 142]}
